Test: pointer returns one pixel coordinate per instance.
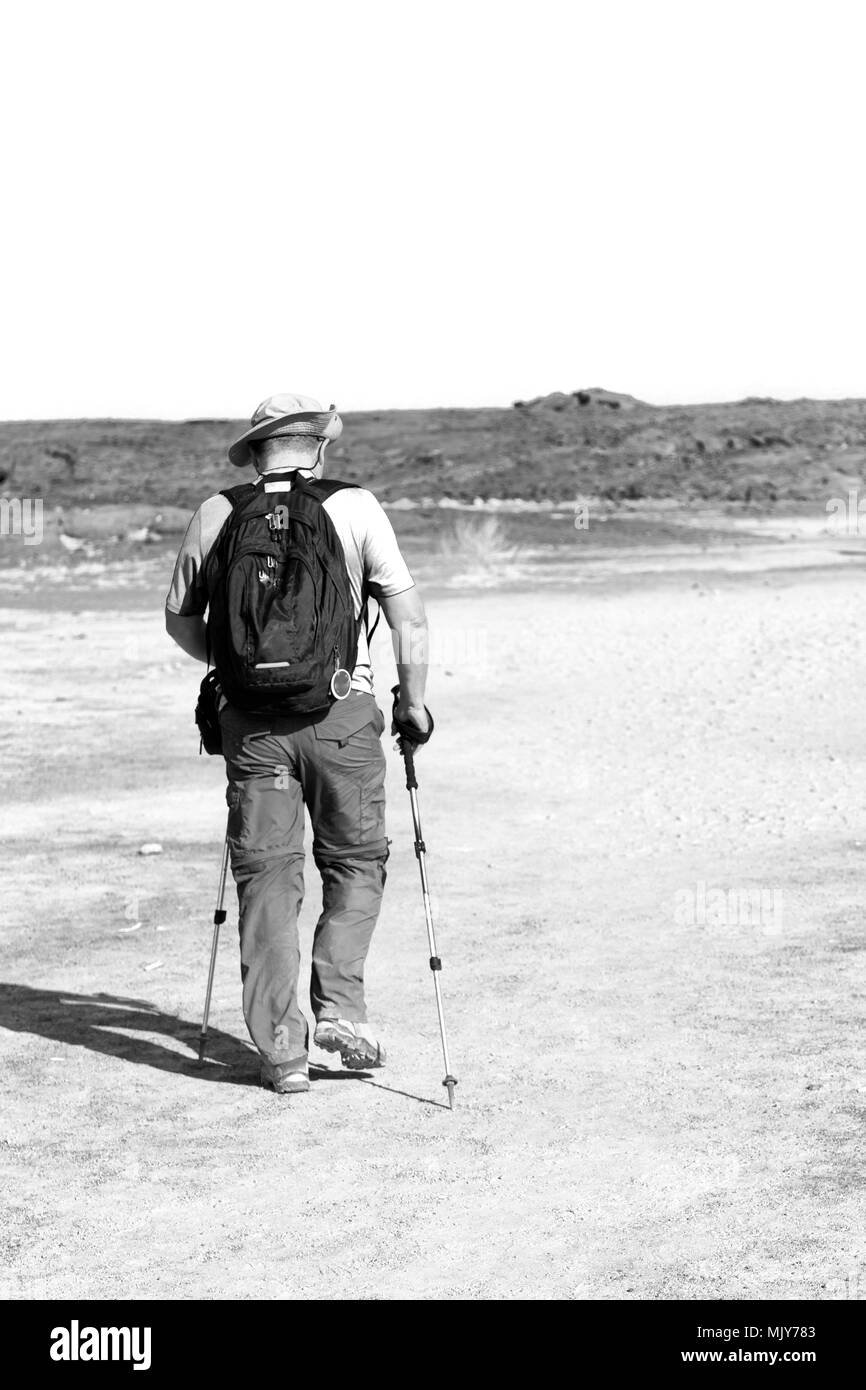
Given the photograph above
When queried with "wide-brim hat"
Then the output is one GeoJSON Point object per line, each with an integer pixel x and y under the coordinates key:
{"type": "Point", "coordinates": [283, 416]}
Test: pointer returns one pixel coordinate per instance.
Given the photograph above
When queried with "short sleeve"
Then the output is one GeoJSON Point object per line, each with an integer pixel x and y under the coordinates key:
{"type": "Point", "coordinates": [187, 594]}
{"type": "Point", "coordinates": [385, 571]}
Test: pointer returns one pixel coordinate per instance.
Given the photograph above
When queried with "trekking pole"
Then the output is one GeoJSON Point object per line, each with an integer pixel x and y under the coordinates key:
{"type": "Point", "coordinates": [218, 919]}
{"type": "Point", "coordinates": [408, 735]}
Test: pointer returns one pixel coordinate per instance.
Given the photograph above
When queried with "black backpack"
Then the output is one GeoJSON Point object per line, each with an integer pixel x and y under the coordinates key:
{"type": "Point", "coordinates": [281, 618]}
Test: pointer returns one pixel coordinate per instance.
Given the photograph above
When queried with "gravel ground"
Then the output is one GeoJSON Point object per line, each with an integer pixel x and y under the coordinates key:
{"type": "Point", "coordinates": [643, 806]}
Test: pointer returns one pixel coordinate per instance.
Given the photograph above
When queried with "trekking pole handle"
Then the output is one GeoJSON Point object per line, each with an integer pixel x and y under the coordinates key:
{"type": "Point", "coordinates": [409, 760]}
{"type": "Point", "coordinates": [409, 736]}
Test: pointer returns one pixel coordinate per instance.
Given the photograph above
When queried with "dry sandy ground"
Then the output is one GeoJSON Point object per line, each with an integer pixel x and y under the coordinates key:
{"type": "Point", "coordinates": [650, 1106]}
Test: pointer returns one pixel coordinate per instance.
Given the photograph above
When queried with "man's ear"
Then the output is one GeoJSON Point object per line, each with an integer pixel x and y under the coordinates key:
{"type": "Point", "coordinates": [320, 453]}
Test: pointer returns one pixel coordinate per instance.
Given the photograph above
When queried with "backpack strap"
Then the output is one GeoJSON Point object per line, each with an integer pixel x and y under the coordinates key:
{"type": "Point", "coordinates": [234, 496]}
{"type": "Point", "coordinates": [370, 630]}
{"type": "Point", "coordinates": [326, 487]}
{"type": "Point", "coordinates": [238, 494]}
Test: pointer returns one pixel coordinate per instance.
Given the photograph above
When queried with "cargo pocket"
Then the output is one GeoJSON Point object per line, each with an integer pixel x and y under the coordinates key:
{"type": "Point", "coordinates": [373, 799]}
{"type": "Point", "coordinates": [234, 829]}
{"type": "Point", "coordinates": [263, 796]}
{"type": "Point", "coordinates": [348, 717]}
{"type": "Point", "coordinates": [347, 803]}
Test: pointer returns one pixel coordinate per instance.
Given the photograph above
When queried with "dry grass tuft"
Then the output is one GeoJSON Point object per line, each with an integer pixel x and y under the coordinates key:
{"type": "Point", "coordinates": [479, 543]}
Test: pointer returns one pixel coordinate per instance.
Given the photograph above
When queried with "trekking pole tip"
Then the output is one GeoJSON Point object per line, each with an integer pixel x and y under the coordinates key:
{"type": "Point", "coordinates": [449, 1083]}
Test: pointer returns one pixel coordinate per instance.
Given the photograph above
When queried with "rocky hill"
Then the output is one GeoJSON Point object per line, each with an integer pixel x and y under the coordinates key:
{"type": "Point", "coordinates": [590, 442]}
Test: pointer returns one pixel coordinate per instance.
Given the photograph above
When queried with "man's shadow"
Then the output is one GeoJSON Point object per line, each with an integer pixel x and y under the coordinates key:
{"type": "Point", "coordinates": [102, 1022]}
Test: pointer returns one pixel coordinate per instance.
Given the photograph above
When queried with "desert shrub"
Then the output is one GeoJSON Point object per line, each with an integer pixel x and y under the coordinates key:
{"type": "Point", "coordinates": [479, 542]}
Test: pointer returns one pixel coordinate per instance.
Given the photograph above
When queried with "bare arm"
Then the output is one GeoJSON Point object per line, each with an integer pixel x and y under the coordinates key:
{"type": "Point", "coordinates": [188, 633]}
{"type": "Point", "coordinates": [404, 614]}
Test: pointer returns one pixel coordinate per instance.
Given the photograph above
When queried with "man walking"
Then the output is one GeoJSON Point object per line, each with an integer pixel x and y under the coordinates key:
{"type": "Point", "coordinates": [284, 581]}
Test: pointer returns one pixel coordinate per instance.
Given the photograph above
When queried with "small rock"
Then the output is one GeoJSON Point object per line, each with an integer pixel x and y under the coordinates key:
{"type": "Point", "coordinates": [151, 848]}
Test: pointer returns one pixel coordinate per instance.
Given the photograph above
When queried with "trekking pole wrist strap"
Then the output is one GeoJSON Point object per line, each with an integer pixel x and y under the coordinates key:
{"type": "Point", "coordinates": [406, 730]}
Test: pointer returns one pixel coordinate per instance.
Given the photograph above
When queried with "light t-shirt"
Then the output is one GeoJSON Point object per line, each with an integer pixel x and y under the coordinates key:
{"type": "Point", "coordinates": [365, 533]}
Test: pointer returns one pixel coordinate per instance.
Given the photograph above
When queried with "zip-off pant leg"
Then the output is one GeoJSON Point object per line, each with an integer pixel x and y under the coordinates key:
{"type": "Point", "coordinates": [342, 770]}
{"type": "Point", "coordinates": [266, 843]}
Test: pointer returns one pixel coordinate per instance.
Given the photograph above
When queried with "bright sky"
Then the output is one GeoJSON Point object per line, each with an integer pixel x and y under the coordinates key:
{"type": "Point", "coordinates": [389, 204]}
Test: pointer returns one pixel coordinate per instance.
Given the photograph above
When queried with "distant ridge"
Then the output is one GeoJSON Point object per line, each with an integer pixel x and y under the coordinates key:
{"type": "Point", "coordinates": [591, 442]}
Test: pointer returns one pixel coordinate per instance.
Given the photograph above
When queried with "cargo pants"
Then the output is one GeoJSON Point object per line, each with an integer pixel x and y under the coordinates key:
{"type": "Point", "coordinates": [334, 765]}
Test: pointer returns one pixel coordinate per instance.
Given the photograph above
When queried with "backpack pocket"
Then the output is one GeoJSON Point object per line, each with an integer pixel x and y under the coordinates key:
{"type": "Point", "coordinates": [273, 624]}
